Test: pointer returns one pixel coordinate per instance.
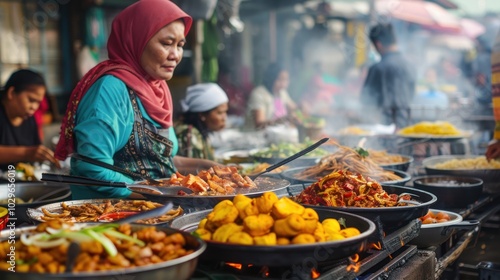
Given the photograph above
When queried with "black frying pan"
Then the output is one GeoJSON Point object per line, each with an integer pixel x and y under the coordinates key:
{"type": "Point", "coordinates": [284, 255]}
{"type": "Point", "coordinates": [392, 217]}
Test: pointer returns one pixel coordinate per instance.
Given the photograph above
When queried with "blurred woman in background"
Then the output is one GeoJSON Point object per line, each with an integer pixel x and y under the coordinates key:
{"type": "Point", "coordinates": [270, 103]}
{"type": "Point", "coordinates": [19, 136]}
{"type": "Point", "coordinates": [204, 110]}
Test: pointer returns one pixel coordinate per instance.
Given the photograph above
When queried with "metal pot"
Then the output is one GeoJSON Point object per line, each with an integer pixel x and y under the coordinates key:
{"type": "Point", "coordinates": [180, 268]}
{"type": "Point", "coordinates": [436, 234]}
{"type": "Point", "coordinates": [489, 176]}
{"type": "Point", "coordinates": [285, 255]}
{"type": "Point", "coordinates": [451, 191]}
{"type": "Point", "coordinates": [53, 192]}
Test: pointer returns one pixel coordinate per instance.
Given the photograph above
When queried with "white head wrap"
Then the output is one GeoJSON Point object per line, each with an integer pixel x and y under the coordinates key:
{"type": "Point", "coordinates": [203, 97]}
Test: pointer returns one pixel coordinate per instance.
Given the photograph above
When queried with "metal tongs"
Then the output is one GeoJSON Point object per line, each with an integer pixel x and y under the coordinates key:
{"type": "Point", "coordinates": [401, 200]}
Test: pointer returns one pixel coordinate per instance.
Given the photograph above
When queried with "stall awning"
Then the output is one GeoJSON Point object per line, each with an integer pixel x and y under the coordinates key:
{"type": "Point", "coordinates": [426, 14]}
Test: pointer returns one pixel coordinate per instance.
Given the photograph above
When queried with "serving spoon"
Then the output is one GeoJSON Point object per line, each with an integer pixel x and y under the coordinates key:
{"type": "Point", "coordinates": [290, 158]}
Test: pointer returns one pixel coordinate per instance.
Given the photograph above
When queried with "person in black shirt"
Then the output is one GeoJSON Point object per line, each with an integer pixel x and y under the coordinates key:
{"type": "Point", "coordinates": [390, 85]}
{"type": "Point", "coordinates": [19, 138]}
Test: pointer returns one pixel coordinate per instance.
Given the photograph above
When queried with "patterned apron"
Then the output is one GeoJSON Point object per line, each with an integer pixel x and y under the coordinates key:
{"type": "Point", "coordinates": [148, 150]}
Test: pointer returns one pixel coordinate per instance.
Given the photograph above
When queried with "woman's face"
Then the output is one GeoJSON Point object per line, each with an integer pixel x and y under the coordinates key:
{"type": "Point", "coordinates": [163, 51]}
{"type": "Point", "coordinates": [24, 104]}
{"type": "Point", "coordinates": [215, 120]}
{"type": "Point", "coordinates": [282, 81]}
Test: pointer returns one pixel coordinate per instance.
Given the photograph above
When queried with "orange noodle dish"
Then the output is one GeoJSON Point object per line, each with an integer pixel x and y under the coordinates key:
{"type": "Point", "coordinates": [346, 158]}
{"type": "Point", "coordinates": [346, 189]}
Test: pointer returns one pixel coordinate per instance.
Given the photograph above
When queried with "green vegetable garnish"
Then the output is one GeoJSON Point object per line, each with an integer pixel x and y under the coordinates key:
{"type": "Point", "coordinates": [342, 222]}
{"type": "Point", "coordinates": [362, 152]}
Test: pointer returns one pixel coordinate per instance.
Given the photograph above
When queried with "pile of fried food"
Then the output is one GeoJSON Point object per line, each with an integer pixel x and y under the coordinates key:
{"type": "Point", "coordinates": [108, 210]}
{"type": "Point", "coordinates": [344, 188]}
{"type": "Point", "coordinates": [439, 128]}
{"type": "Point", "coordinates": [269, 220]}
{"type": "Point", "coordinates": [346, 158]}
{"type": "Point", "coordinates": [479, 162]}
{"type": "Point", "coordinates": [214, 181]}
{"type": "Point", "coordinates": [102, 248]}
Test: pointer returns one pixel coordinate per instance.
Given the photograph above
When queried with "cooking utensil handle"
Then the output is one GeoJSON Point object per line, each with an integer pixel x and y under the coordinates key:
{"type": "Point", "coordinates": [463, 225]}
{"type": "Point", "coordinates": [157, 212]}
{"type": "Point", "coordinates": [295, 156]}
{"type": "Point", "coordinates": [106, 165]}
{"type": "Point", "coordinates": [78, 180]}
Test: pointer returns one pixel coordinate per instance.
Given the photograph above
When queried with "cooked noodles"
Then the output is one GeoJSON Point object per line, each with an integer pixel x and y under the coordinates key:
{"type": "Point", "coordinates": [383, 158]}
{"type": "Point", "coordinates": [343, 188]}
{"type": "Point", "coordinates": [346, 158]}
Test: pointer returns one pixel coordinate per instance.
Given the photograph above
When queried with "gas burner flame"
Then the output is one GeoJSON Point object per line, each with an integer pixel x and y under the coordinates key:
{"type": "Point", "coordinates": [314, 273]}
{"type": "Point", "coordinates": [264, 271]}
{"type": "Point", "coordinates": [238, 266]}
{"type": "Point", "coordinates": [377, 246]}
{"type": "Point", "coordinates": [354, 265]}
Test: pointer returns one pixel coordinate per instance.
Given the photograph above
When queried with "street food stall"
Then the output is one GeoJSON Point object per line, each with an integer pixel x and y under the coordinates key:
{"type": "Point", "coordinates": [394, 238]}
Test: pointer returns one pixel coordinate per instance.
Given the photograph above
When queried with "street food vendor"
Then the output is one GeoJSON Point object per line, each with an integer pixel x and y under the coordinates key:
{"type": "Point", "coordinates": [493, 150]}
{"type": "Point", "coordinates": [390, 85]}
{"type": "Point", "coordinates": [19, 138]}
{"type": "Point", "coordinates": [270, 103]}
{"type": "Point", "coordinates": [204, 111]}
{"type": "Point", "coordinates": [121, 110]}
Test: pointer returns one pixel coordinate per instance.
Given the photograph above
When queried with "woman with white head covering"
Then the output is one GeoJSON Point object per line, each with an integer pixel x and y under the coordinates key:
{"type": "Point", "coordinates": [204, 111]}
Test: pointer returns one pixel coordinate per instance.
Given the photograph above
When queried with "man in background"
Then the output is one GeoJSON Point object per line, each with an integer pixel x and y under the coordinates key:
{"type": "Point", "coordinates": [390, 84]}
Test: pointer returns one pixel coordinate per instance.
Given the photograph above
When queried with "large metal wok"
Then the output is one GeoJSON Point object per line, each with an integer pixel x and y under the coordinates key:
{"type": "Point", "coordinates": [34, 194]}
{"type": "Point", "coordinates": [452, 191]}
{"type": "Point", "coordinates": [436, 234]}
{"type": "Point", "coordinates": [285, 255]}
{"type": "Point", "coordinates": [180, 268]}
{"type": "Point", "coordinates": [392, 217]}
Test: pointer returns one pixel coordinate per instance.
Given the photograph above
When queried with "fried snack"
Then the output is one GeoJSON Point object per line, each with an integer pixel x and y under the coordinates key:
{"type": "Point", "coordinates": [117, 247]}
{"type": "Point", "coordinates": [89, 212]}
{"type": "Point", "coordinates": [346, 158]}
{"type": "Point", "coordinates": [214, 181]}
{"type": "Point", "coordinates": [287, 223]}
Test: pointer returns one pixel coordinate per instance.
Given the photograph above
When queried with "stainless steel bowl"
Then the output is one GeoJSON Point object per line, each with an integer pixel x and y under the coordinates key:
{"type": "Point", "coordinates": [490, 177]}
{"type": "Point", "coordinates": [180, 268]}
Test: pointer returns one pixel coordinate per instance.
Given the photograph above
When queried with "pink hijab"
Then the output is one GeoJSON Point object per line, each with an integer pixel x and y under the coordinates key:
{"type": "Point", "coordinates": [130, 32]}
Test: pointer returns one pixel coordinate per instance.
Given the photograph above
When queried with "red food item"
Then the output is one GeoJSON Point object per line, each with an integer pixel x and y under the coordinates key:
{"type": "Point", "coordinates": [344, 188]}
{"type": "Point", "coordinates": [116, 216]}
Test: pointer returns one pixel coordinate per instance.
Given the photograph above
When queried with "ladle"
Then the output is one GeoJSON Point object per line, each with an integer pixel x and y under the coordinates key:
{"type": "Point", "coordinates": [140, 188]}
{"type": "Point", "coordinates": [290, 158]}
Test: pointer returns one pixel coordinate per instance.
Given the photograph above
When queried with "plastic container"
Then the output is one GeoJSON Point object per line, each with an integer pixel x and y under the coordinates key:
{"type": "Point", "coordinates": [488, 270]}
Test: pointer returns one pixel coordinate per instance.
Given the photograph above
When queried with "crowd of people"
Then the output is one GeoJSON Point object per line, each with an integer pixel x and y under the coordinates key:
{"type": "Point", "coordinates": [121, 110]}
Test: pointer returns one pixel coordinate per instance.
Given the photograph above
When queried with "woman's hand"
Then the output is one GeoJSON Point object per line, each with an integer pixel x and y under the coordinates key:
{"type": "Point", "coordinates": [493, 151]}
{"type": "Point", "coordinates": [40, 154]}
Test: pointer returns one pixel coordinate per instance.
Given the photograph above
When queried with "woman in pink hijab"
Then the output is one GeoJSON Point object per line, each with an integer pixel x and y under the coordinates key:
{"type": "Point", "coordinates": [121, 111]}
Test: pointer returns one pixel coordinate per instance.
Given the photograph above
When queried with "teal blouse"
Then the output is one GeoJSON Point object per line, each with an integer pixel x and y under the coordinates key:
{"type": "Point", "coordinates": [104, 122]}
